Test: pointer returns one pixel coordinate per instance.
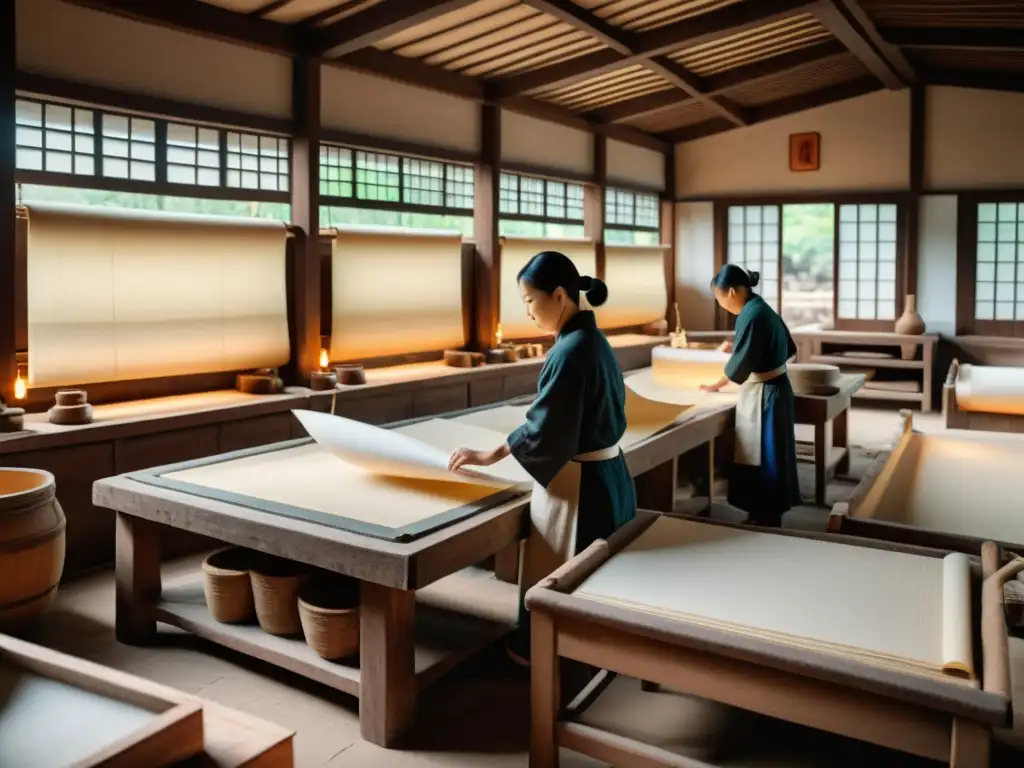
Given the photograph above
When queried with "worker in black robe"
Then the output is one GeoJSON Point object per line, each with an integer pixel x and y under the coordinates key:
{"type": "Point", "coordinates": [763, 481]}
{"type": "Point", "coordinates": [570, 442]}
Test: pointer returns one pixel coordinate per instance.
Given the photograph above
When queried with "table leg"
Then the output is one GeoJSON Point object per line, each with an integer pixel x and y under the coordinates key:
{"type": "Point", "coordinates": [841, 439]}
{"type": "Point", "coordinates": [711, 475]}
{"type": "Point", "coordinates": [136, 578]}
{"type": "Point", "coordinates": [820, 462]}
{"type": "Point", "coordinates": [545, 682]}
{"type": "Point", "coordinates": [387, 674]}
{"type": "Point", "coordinates": [656, 488]}
{"type": "Point", "coordinates": [970, 745]}
{"type": "Point", "coordinates": [506, 564]}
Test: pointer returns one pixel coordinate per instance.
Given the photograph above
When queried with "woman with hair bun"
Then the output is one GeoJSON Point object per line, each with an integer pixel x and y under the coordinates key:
{"type": "Point", "coordinates": [569, 443]}
{"type": "Point", "coordinates": [763, 481]}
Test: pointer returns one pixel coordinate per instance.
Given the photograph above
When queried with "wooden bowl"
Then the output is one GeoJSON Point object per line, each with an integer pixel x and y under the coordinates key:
{"type": "Point", "coordinates": [258, 383]}
{"type": "Point", "coordinates": [350, 375]}
{"type": "Point", "coordinates": [814, 378]}
{"type": "Point", "coordinates": [275, 591]}
{"type": "Point", "coordinates": [227, 585]}
{"type": "Point", "coordinates": [502, 355]}
{"type": "Point", "coordinates": [329, 611]}
{"type": "Point", "coordinates": [458, 358]}
{"type": "Point", "coordinates": [320, 381]}
{"type": "Point", "coordinates": [12, 419]}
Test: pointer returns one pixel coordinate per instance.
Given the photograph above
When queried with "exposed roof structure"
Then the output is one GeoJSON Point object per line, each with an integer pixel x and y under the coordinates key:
{"type": "Point", "coordinates": [656, 71]}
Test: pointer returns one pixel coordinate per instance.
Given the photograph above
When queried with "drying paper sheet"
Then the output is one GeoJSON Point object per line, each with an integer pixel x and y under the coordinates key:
{"type": "Point", "coordinates": [887, 608]}
{"type": "Point", "coordinates": [639, 291]}
{"type": "Point", "coordinates": [416, 452]}
{"type": "Point", "coordinates": [965, 482]}
{"type": "Point", "coordinates": [643, 418]}
{"type": "Point", "coordinates": [644, 384]}
{"type": "Point", "coordinates": [990, 389]}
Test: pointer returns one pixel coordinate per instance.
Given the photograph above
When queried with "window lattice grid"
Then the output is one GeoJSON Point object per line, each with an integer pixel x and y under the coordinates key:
{"type": "Point", "coordinates": [867, 261]}
{"type": "Point", "coordinates": [648, 212]}
{"type": "Point", "coordinates": [378, 177]}
{"type": "Point", "coordinates": [422, 182]}
{"type": "Point", "coordinates": [129, 147]}
{"type": "Point", "coordinates": [574, 202]}
{"type": "Point", "coordinates": [336, 171]}
{"type": "Point", "coordinates": [753, 243]}
{"type": "Point", "coordinates": [193, 155]}
{"type": "Point", "coordinates": [631, 210]}
{"type": "Point", "coordinates": [54, 138]}
{"type": "Point", "coordinates": [257, 162]}
{"type": "Point", "coordinates": [532, 197]}
{"type": "Point", "coordinates": [554, 200]}
{"type": "Point", "coordinates": [459, 188]}
{"type": "Point", "coordinates": [999, 276]}
{"type": "Point", "coordinates": [508, 194]}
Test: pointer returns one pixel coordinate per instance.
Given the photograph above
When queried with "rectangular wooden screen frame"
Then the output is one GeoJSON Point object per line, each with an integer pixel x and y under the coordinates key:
{"type": "Point", "coordinates": [156, 477]}
{"type": "Point", "coordinates": [174, 734]}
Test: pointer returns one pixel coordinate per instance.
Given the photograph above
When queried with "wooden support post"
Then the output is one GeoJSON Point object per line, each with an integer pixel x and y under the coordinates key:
{"type": "Point", "coordinates": [545, 691]}
{"type": "Point", "coordinates": [486, 189]}
{"type": "Point", "coordinates": [912, 217]}
{"type": "Point", "coordinates": [594, 196]}
{"type": "Point", "coordinates": [8, 286]}
{"type": "Point", "coordinates": [305, 204]}
{"type": "Point", "coordinates": [136, 578]}
{"type": "Point", "coordinates": [667, 231]}
{"type": "Point", "coordinates": [387, 673]}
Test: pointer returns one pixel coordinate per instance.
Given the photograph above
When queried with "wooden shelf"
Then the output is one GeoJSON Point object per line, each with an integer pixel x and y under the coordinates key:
{"type": "Point", "coordinates": [868, 362]}
{"type": "Point", "coordinates": [890, 394]}
{"type": "Point", "coordinates": [444, 638]}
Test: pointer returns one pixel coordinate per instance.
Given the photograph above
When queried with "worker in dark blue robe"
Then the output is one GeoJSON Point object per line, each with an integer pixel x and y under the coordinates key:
{"type": "Point", "coordinates": [763, 480]}
{"type": "Point", "coordinates": [569, 443]}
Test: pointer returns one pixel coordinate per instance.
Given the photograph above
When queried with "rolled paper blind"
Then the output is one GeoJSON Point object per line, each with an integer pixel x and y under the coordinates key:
{"type": "Point", "coordinates": [115, 295]}
{"type": "Point", "coordinates": [637, 291]}
{"type": "Point", "coordinates": [515, 253]}
{"type": "Point", "coordinates": [395, 292]}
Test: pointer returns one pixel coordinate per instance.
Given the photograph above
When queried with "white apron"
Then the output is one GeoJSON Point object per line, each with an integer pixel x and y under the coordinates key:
{"type": "Point", "coordinates": [553, 513]}
{"type": "Point", "coordinates": [749, 413]}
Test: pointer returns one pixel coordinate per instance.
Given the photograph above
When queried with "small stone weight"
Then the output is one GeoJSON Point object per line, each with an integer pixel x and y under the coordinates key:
{"type": "Point", "coordinates": [12, 419]}
{"type": "Point", "coordinates": [67, 415]}
{"type": "Point", "coordinates": [457, 358]}
{"type": "Point", "coordinates": [320, 381]}
{"type": "Point", "coordinates": [258, 383]}
{"type": "Point", "coordinates": [502, 355]}
{"type": "Point", "coordinates": [70, 397]}
{"type": "Point", "coordinates": [350, 375]}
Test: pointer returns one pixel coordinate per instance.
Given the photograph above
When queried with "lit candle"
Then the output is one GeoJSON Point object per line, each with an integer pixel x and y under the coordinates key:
{"type": "Point", "coordinates": [20, 390]}
{"type": "Point", "coordinates": [497, 336]}
{"type": "Point", "coordinates": [324, 359]}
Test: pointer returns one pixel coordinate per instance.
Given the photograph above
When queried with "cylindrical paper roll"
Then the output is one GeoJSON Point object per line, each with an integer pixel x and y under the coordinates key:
{"type": "Point", "coordinates": [637, 289]}
{"type": "Point", "coordinates": [990, 389]}
{"type": "Point", "coordinates": [957, 654]}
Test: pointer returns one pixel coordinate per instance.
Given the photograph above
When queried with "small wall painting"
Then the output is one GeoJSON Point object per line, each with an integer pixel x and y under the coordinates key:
{"type": "Point", "coordinates": [804, 151]}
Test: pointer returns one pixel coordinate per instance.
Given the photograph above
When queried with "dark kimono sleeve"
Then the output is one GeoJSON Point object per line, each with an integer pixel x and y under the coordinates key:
{"type": "Point", "coordinates": [746, 350]}
{"type": "Point", "coordinates": [551, 435]}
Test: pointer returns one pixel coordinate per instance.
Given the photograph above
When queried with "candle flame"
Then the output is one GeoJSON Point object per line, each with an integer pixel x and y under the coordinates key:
{"type": "Point", "coordinates": [20, 390]}
{"type": "Point", "coordinates": [497, 336]}
{"type": "Point", "coordinates": [324, 358]}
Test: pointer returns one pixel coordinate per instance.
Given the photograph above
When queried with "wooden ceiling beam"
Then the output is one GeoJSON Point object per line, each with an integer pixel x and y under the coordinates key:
{"type": "Point", "coordinates": [380, 21]}
{"type": "Point", "coordinates": [627, 43]}
{"type": "Point", "coordinates": [412, 72]}
{"type": "Point", "coordinates": [967, 39]}
{"type": "Point", "coordinates": [268, 8]}
{"type": "Point", "coordinates": [787, 106]}
{"type": "Point", "coordinates": [845, 21]}
{"type": "Point", "coordinates": [716, 85]}
{"type": "Point", "coordinates": [979, 79]}
{"type": "Point", "coordinates": [203, 19]}
{"type": "Point", "coordinates": [676, 36]}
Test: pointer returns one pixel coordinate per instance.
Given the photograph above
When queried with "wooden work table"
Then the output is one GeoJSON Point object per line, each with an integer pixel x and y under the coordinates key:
{"type": "Point", "coordinates": [126, 437]}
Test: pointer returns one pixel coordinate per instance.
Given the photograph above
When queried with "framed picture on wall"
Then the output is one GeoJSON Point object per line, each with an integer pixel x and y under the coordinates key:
{"type": "Point", "coordinates": [804, 151]}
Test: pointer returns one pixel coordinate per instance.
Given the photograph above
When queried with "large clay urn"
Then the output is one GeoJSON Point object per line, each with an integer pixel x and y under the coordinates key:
{"type": "Point", "coordinates": [910, 324]}
{"type": "Point", "coordinates": [31, 546]}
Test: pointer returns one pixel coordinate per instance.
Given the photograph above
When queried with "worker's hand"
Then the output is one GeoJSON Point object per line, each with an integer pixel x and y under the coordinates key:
{"type": "Point", "coordinates": [711, 387]}
{"type": "Point", "coordinates": [725, 346]}
{"type": "Point", "coordinates": [466, 457]}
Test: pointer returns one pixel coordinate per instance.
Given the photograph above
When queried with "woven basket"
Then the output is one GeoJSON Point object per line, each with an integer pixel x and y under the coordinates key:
{"type": "Point", "coordinates": [329, 610]}
{"type": "Point", "coordinates": [227, 586]}
{"type": "Point", "coordinates": [275, 590]}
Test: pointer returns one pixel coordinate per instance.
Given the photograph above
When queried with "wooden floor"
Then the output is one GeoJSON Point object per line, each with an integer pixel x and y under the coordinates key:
{"type": "Point", "coordinates": [479, 716]}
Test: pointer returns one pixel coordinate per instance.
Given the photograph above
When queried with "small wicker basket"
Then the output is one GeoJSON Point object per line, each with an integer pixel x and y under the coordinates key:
{"type": "Point", "coordinates": [227, 586]}
{"type": "Point", "coordinates": [275, 589]}
{"type": "Point", "coordinates": [329, 610]}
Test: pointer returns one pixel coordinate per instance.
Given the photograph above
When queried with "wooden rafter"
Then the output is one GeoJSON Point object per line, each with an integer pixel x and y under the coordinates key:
{"type": "Point", "coordinates": [715, 85]}
{"type": "Point", "coordinates": [787, 106]}
{"type": "Point", "coordinates": [845, 21]}
{"type": "Point", "coordinates": [203, 19]}
{"type": "Point", "coordinates": [646, 45]}
{"type": "Point", "coordinates": [377, 22]}
{"type": "Point", "coordinates": [624, 42]}
{"type": "Point", "coordinates": [967, 39]}
{"type": "Point", "coordinates": [976, 79]}
{"type": "Point", "coordinates": [268, 8]}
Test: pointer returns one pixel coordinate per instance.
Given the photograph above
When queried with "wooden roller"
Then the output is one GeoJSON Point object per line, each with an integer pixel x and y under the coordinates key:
{"type": "Point", "coordinates": [502, 355]}
{"type": "Point", "coordinates": [11, 419]}
{"type": "Point", "coordinates": [258, 383]}
{"type": "Point", "coordinates": [457, 358]}
{"type": "Point", "coordinates": [320, 381]}
{"type": "Point", "coordinates": [996, 674]}
{"type": "Point", "coordinates": [351, 374]}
